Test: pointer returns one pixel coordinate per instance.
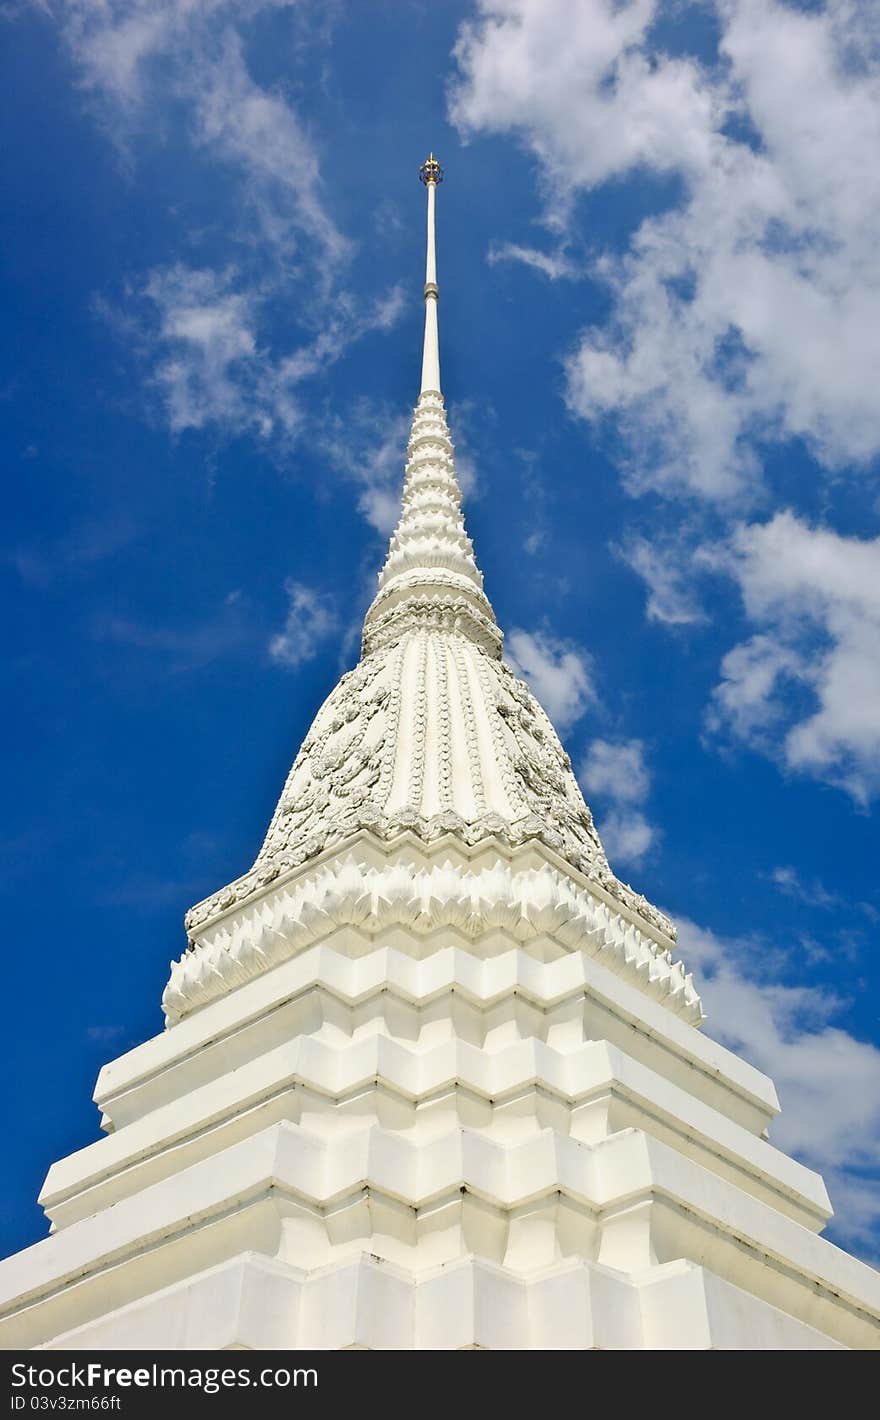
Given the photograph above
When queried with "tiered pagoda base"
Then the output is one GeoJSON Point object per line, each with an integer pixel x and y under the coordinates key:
{"type": "Point", "coordinates": [439, 1116]}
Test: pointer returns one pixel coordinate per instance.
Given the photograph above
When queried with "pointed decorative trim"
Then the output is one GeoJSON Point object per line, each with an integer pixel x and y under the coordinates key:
{"type": "Point", "coordinates": [528, 904]}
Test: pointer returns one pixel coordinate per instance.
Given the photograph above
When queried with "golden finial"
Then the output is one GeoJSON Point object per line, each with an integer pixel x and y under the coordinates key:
{"type": "Point", "coordinates": [431, 172]}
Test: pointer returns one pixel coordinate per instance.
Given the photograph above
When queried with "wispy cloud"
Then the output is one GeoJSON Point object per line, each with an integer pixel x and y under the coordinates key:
{"type": "Point", "coordinates": [259, 133]}
{"type": "Point", "coordinates": [184, 648]}
{"type": "Point", "coordinates": [616, 772]}
{"type": "Point", "coordinates": [200, 330]}
{"type": "Point", "coordinates": [104, 1035]}
{"type": "Point", "coordinates": [558, 671]}
{"type": "Point", "coordinates": [311, 618]}
{"type": "Point", "coordinates": [208, 350]}
{"type": "Point", "coordinates": [814, 893]}
{"type": "Point", "coordinates": [149, 893]}
{"type": "Point", "coordinates": [137, 57]}
{"type": "Point", "coordinates": [205, 332]}
{"type": "Point", "coordinates": [556, 265]}
{"type": "Point", "coordinates": [828, 1080]}
{"type": "Point", "coordinates": [89, 543]}
{"type": "Point", "coordinates": [369, 447]}
{"type": "Point", "coordinates": [465, 419]}
{"type": "Point", "coordinates": [664, 565]}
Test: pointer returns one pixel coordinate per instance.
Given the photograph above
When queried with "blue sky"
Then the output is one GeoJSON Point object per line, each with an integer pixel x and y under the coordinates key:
{"type": "Point", "coordinates": [660, 331]}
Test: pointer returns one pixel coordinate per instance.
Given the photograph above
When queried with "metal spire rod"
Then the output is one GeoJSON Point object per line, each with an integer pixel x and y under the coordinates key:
{"type": "Point", "coordinates": [431, 174]}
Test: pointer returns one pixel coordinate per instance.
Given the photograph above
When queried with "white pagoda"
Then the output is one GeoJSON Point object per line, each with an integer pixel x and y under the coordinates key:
{"type": "Point", "coordinates": [432, 1076]}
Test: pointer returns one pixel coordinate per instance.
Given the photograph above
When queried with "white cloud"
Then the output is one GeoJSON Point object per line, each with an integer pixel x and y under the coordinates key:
{"type": "Point", "coordinates": [143, 59]}
{"type": "Point", "coordinates": [311, 618]}
{"type": "Point", "coordinates": [750, 310]}
{"type": "Point", "coordinates": [828, 1081]}
{"type": "Point", "coordinates": [815, 595]}
{"type": "Point", "coordinates": [626, 835]}
{"type": "Point", "coordinates": [745, 312]}
{"type": "Point", "coordinates": [132, 54]}
{"type": "Point", "coordinates": [559, 672]}
{"type": "Point", "coordinates": [789, 882]}
{"type": "Point", "coordinates": [206, 333]}
{"type": "Point", "coordinates": [112, 42]}
{"type": "Point", "coordinates": [201, 330]}
{"type": "Point", "coordinates": [616, 770]}
{"type": "Point", "coordinates": [664, 566]}
{"type": "Point", "coordinates": [369, 447]}
{"type": "Point", "coordinates": [150, 64]}
{"type": "Point", "coordinates": [617, 773]}
{"type": "Point", "coordinates": [555, 264]}
{"type": "Point", "coordinates": [574, 84]}
{"type": "Point", "coordinates": [263, 138]}
{"type": "Point", "coordinates": [749, 699]}
{"type": "Point", "coordinates": [815, 894]}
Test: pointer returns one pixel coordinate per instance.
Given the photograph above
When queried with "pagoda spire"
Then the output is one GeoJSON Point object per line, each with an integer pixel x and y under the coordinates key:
{"type": "Point", "coordinates": [431, 174]}
{"type": "Point", "coordinates": [430, 576]}
{"type": "Point", "coordinates": [431, 732]}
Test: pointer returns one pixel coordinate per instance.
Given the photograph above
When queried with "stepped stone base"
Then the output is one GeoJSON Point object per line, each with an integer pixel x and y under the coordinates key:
{"type": "Point", "coordinates": [257, 1303]}
{"type": "Point", "coordinates": [498, 1131]}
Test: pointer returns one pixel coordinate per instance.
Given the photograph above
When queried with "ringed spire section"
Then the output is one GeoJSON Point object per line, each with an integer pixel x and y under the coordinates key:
{"type": "Point", "coordinates": [430, 577]}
